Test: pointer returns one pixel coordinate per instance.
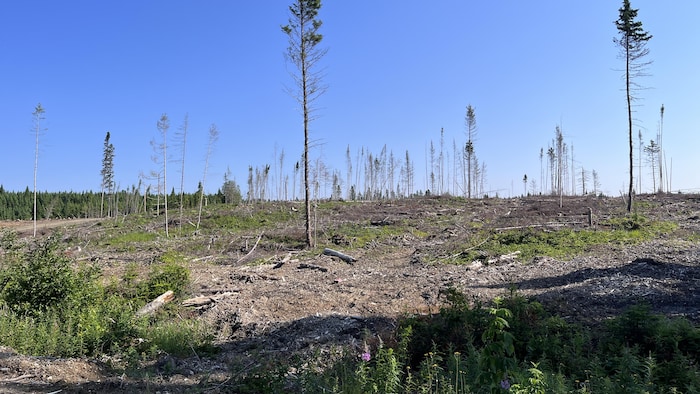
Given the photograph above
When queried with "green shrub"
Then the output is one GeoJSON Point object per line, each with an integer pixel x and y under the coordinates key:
{"type": "Point", "coordinates": [164, 277]}
{"type": "Point", "coordinates": [53, 308]}
{"type": "Point", "coordinates": [44, 279]}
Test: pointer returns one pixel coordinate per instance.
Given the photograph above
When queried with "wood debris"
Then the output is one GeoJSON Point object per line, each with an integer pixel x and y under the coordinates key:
{"type": "Point", "coordinates": [342, 256]}
{"type": "Point", "coordinates": [154, 305]}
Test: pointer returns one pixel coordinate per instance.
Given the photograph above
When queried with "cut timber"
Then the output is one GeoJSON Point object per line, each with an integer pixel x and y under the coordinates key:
{"type": "Point", "coordinates": [205, 300]}
{"type": "Point", "coordinates": [342, 256]}
{"type": "Point", "coordinates": [156, 304]}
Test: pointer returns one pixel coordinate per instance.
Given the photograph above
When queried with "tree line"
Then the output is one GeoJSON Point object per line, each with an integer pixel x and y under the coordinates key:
{"type": "Point", "coordinates": [369, 175]}
{"type": "Point", "coordinates": [88, 204]}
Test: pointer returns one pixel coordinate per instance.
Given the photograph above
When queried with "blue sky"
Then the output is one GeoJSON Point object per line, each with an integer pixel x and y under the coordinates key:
{"type": "Point", "coordinates": [396, 73]}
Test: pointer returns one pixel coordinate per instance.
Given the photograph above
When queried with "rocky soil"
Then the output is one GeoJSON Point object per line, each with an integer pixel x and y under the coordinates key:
{"type": "Point", "coordinates": [290, 303]}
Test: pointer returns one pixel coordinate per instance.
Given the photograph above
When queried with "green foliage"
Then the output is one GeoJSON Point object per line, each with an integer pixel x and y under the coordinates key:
{"type": "Point", "coordinates": [53, 307]}
{"type": "Point", "coordinates": [532, 242]}
{"type": "Point", "coordinates": [168, 275]}
{"type": "Point", "coordinates": [132, 237]}
{"type": "Point", "coordinates": [182, 338]}
{"type": "Point", "coordinates": [497, 361]}
{"type": "Point", "coordinates": [522, 349]}
{"type": "Point", "coordinates": [44, 279]}
{"type": "Point", "coordinates": [363, 234]}
{"type": "Point", "coordinates": [241, 220]}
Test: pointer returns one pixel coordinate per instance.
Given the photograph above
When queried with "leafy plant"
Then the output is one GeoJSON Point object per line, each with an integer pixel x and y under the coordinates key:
{"type": "Point", "coordinates": [44, 279]}
{"type": "Point", "coordinates": [163, 277]}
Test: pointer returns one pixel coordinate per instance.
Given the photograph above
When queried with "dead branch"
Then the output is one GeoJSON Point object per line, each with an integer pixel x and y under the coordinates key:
{"type": "Point", "coordinates": [156, 303]}
{"type": "Point", "coordinates": [211, 256]}
{"type": "Point", "coordinates": [219, 291]}
{"type": "Point", "coordinates": [251, 250]}
{"type": "Point", "coordinates": [342, 256]}
{"type": "Point", "coordinates": [18, 378]}
{"type": "Point", "coordinates": [205, 300]}
{"type": "Point", "coordinates": [313, 267]}
{"type": "Point", "coordinates": [468, 249]}
{"type": "Point", "coordinates": [536, 225]}
{"type": "Point", "coordinates": [505, 257]}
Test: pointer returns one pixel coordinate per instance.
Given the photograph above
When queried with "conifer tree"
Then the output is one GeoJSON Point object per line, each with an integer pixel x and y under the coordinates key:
{"type": "Point", "coordinates": [303, 52]}
{"type": "Point", "coordinates": [632, 42]}
{"type": "Point", "coordinates": [107, 175]}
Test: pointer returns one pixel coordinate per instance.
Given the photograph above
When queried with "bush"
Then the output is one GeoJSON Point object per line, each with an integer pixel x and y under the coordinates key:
{"type": "Point", "coordinates": [163, 277]}
{"type": "Point", "coordinates": [53, 308]}
{"type": "Point", "coordinates": [45, 279]}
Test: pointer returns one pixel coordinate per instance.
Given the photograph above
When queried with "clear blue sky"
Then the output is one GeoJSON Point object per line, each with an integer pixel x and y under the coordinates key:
{"type": "Point", "coordinates": [397, 72]}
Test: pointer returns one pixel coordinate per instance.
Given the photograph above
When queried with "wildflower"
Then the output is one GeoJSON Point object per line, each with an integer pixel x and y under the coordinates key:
{"type": "Point", "coordinates": [366, 356]}
{"type": "Point", "coordinates": [505, 384]}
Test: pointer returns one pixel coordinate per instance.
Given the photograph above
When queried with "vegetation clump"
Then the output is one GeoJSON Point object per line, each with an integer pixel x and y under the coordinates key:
{"type": "Point", "coordinates": [514, 345]}
{"type": "Point", "coordinates": [51, 306]}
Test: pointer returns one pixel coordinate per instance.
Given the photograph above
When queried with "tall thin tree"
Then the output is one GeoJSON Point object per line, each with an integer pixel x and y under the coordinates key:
{"type": "Point", "coordinates": [163, 126]}
{"type": "Point", "coordinates": [107, 175]}
{"type": "Point", "coordinates": [38, 116]}
{"type": "Point", "coordinates": [213, 137]}
{"type": "Point", "coordinates": [470, 122]}
{"type": "Point", "coordinates": [304, 53]}
{"type": "Point", "coordinates": [632, 42]}
{"type": "Point", "coordinates": [659, 142]}
{"type": "Point", "coordinates": [182, 138]}
{"type": "Point", "coordinates": [639, 161]}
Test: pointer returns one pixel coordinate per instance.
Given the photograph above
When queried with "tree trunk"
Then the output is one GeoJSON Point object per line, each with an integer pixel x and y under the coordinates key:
{"type": "Point", "coordinates": [629, 124]}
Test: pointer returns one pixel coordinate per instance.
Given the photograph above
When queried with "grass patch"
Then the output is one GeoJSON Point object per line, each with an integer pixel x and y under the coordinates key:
{"type": "Point", "coordinates": [246, 219]}
{"type": "Point", "coordinates": [563, 243]}
{"type": "Point", "coordinates": [360, 235]}
{"type": "Point", "coordinates": [133, 237]}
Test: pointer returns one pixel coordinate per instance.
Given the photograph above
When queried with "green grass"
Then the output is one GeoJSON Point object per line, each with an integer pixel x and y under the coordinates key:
{"type": "Point", "coordinates": [360, 235]}
{"type": "Point", "coordinates": [130, 238]}
{"type": "Point", "coordinates": [562, 243]}
{"type": "Point", "coordinates": [243, 219]}
{"type": "Point", "coordinates": [50, 306]}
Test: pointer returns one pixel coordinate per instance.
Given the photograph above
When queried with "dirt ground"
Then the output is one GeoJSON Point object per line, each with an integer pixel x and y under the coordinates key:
{"type": "Point", "coordinates": [293, 305]}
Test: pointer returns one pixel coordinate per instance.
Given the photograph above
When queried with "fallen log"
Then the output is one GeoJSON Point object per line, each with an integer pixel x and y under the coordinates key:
{"type": "Point", "coordinates": [342, 256]}
{"type": "Point", "coordinates": [154, 305]}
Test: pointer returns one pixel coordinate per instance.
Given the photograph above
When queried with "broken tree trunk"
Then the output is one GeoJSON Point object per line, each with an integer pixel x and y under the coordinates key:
{"type": "Point", "coordinates": [156, 304]}
{"type": "Point", "coordinates": [342, 256]}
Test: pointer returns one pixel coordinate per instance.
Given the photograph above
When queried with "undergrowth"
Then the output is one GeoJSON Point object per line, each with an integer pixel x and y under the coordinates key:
{"type": "Point", "coordinates": [511, 345]}
{"type": "Point", "coordinates": [562, 243]}
{"type": "Point", "coordinates": [52, 306]}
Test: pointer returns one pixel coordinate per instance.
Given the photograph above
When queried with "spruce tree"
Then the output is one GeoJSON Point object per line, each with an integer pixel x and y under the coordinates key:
{"type": "Point", "coordinates": [632, 42]}
{"type": "Point", "coordinates": [304, 53]}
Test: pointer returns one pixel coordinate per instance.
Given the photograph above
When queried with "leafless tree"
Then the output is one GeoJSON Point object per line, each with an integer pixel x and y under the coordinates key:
{"type": "Point", "coordinates": [213, 137]}
{"type": "Point", "coordinates": [163, 125]}
{"type": "Point", "coordinates": [38, 116]}
{"type": "Point", "coordinates": [182, 138]}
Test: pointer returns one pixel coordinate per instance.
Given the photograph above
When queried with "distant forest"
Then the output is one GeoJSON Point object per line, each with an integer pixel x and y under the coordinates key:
{"type": "Point", "coordinates": [62, 205]}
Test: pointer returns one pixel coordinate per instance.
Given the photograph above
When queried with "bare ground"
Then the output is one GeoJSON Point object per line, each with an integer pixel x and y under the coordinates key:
{"type": "Point", "coordinates": [290, 304]}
